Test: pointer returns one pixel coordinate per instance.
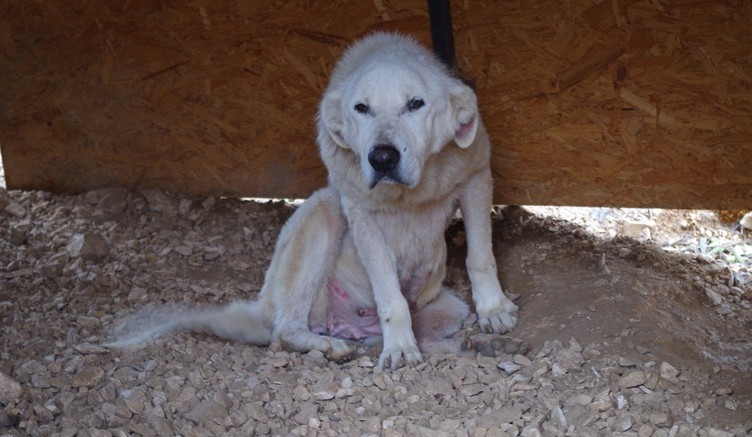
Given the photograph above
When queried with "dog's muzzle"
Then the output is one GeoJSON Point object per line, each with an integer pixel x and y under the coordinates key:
{"type": "Point", "coordinates": [384, 159]}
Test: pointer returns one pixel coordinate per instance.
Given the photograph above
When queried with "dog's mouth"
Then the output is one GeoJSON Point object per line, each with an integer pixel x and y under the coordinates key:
{"type": "Point", "coordinates": [388, 178]}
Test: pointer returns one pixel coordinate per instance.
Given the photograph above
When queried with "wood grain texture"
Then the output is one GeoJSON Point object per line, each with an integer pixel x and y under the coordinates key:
{"type": "Point", "coordinates": [618, 102]}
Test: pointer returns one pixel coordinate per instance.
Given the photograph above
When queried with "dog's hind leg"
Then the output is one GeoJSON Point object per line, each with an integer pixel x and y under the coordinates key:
{"type": "Point", "coordinates": [303, 259]}
{"type": "Point", "coordinates": [437, 325]}
{"type": "Point", "coordinates": [437, 321]}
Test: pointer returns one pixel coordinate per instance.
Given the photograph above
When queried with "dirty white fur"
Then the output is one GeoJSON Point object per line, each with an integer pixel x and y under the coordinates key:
{"type": "Point", "coordinates": [379, 234]}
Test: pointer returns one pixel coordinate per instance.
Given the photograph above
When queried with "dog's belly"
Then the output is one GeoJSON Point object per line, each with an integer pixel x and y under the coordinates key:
{"type": "Point", "coordinates": [345, 306]}
{"type": "Point", "coordinates": [344, 318]}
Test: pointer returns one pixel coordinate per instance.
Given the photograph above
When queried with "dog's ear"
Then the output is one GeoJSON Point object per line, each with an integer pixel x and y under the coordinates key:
{"type": "Point", "coordinates": [330, 115]}
{"type": "Point", "coordinates": [464, 105]}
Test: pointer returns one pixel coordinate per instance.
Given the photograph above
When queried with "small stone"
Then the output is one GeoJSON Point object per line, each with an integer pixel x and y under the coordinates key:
{"type": "Point", "coordinates": [522, 360]}
{"type": "Point", "coordinates": [494, 417]}
{"type": "Point", "coordinates": [324, 395]}
{"type": "Point", "coordinates": [307, 412]}
{"type": "Point", "coordinates": [730, 404]}
{"type": "Point", "coordinates": [621, 402]}
{"type": "Point", "coordinates": [159, 202]}
{"type": "Point", "coordinates": [715, 298]}
{"type": "Point", "coordinates": [53, 268]}
{"type": "Point", "coordinates": [279, 362]}
{"type": "Point", "coordinates": [633, 379]}
{"type": "Point", "coordinates": [580, 399]}
{"type": "Point", "coordinates": [346, 383]}
{"type": "Point", "coordinates": [10, 206]}
{"type": "Point", "coordinates": [737, 292]}
{"type": "Point", "coordinates": [379, 381]}
{"type": "Point", "coordinates": [557, 370]}
{"type": "Point", "coordinates": [645, 431]}
{"type": "Point", "coordinates": [541, 370]}
{"type": "Point", "coordinates": [629, 362]}
{"type": "Point", "coordinates": [509, 414]}
{"type": "Point", "coordinates": [89, 246]}
{"type": "Point", "coordinates": [450, 426]}
{"type": "Point", "coordinates": [602, 404]}
{"type": "Point", "coordinates": [345, 393]}
{"type": "Point", "coordinates": [185, 398]}
{"type": "Point", "coordinates": [10, 390]}
{"type": "Point", "coordinates": [668, 371]}
{"type": "Point", "coordinates": [43, 415]}
{"type": "Point", "coordinates": [472, 389]}
{"type": "Point", "coordinates": [241, 262]}
{"type": "Point", "coordinates": [746, 221]}
{"type": "Point", "coordinates": [721, 289]}
{"type": "Point", "coordinates": [509, 367]}
{"type": "Point", "coordinates": [208, 410]}
{"type": "Point", "coordinates": [569, 359]}
{"type": "Point", "coordinates": [19, 233]}
{"type": "Point", "coordinates": [315, 355]}
{"type": "Point", "coordinates": [724, 309]}
{"type": "Point", "coordinates": [557, 415]}
{"type": "Point", "coordinates": [724, 391]}
{"type": "Point", "coordinates": [365, 362]}
{"type": "Point", "coordinates": [422, 431]}
{"type": "Point", "coordinates": [713, 432]}
{"type": "Point", "coordinates": [659, 419]}
{"type": "Point", "coordinates": [622, 424]}
{"type": "Point", "coordinates": [742, 279]}
{"type": "Point", "coordinates": [580, 416]}
{"type": "Point", "coordinates": [88, 377]}
{"type": "Point", "coordinates": [110, 203]}
{"type": "Point", "coordinates": [639, 230]}
{"type": "Point", "coordinates": [301, 393]}
{"type": "Point", "coordinates": [183, 250]}
{"type": "Point", "coordinates": [134, 400]}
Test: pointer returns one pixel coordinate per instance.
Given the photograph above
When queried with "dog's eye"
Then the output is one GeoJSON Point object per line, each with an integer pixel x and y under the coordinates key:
{"type": "Point", "coordinates": [415, 103]}
{"type": "Point", "coordinates": [362, 108]}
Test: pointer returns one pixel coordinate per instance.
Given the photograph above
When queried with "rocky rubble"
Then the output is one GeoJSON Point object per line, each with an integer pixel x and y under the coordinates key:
{"type": "Point", "coordinates": [192, 389]}
{"type": "Point", "coordinates": [74, 265]}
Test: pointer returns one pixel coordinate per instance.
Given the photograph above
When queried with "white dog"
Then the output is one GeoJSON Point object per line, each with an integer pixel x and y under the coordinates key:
{"type": "Point", "coordinates": [405, 147]}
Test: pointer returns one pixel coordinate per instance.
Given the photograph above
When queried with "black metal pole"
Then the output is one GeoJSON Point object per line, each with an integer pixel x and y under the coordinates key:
{"type": "Point", "coordinates": [441, 30]}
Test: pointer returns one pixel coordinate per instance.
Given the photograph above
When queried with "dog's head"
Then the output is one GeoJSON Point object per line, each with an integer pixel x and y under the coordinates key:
{"type": "Point", "coordinates": [393, 104]}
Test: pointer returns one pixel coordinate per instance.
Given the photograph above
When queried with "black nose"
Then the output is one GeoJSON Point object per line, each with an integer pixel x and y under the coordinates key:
{"type": "Point", "coordinates": [384, 158]}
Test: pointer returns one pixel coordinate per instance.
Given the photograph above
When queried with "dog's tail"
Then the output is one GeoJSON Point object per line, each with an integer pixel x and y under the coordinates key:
{"type": "Point", "coordinates": [247, 322]}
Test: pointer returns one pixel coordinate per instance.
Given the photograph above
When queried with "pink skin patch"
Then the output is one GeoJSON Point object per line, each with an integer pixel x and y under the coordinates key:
{"type": "Point", "coordinates": [344, 319]}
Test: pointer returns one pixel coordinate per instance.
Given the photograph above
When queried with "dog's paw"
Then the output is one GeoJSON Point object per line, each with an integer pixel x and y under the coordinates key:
{"type": "Point", "coordinates": [300, 340]}
{"type": "Point", "coordinates": [339, 350]}
{"type": "Point", "coordinates": [394, 358]}
{"type": "Point", "coordinates": [400, 349]}
{"type": "Point", "coordinates": [493, 345]}
{"type": "Point", "coordinates": [499, 318]}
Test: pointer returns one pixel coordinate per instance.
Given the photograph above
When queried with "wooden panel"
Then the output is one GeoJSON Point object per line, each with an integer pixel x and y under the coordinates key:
{"type": "Point", "coordinates": [628, 103]}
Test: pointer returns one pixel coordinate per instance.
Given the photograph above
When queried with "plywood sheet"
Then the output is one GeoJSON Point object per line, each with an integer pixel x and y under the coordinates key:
{"type": "Point", "coordinates": [629, 103]}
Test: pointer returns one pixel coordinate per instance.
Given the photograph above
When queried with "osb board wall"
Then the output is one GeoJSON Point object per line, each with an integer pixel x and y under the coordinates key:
{"type": "Point", "coordinates": [617, 102]}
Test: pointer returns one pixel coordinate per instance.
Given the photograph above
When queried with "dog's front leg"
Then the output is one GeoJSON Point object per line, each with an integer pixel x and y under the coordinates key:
{"type": "Point", "coordinates": [496, 312]}
{"type": "Point", "coordinates": [400, 347]}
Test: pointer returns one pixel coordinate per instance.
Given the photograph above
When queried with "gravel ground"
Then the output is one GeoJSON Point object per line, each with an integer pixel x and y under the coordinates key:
{"type": "Point", "coordinates": [627, 338]}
